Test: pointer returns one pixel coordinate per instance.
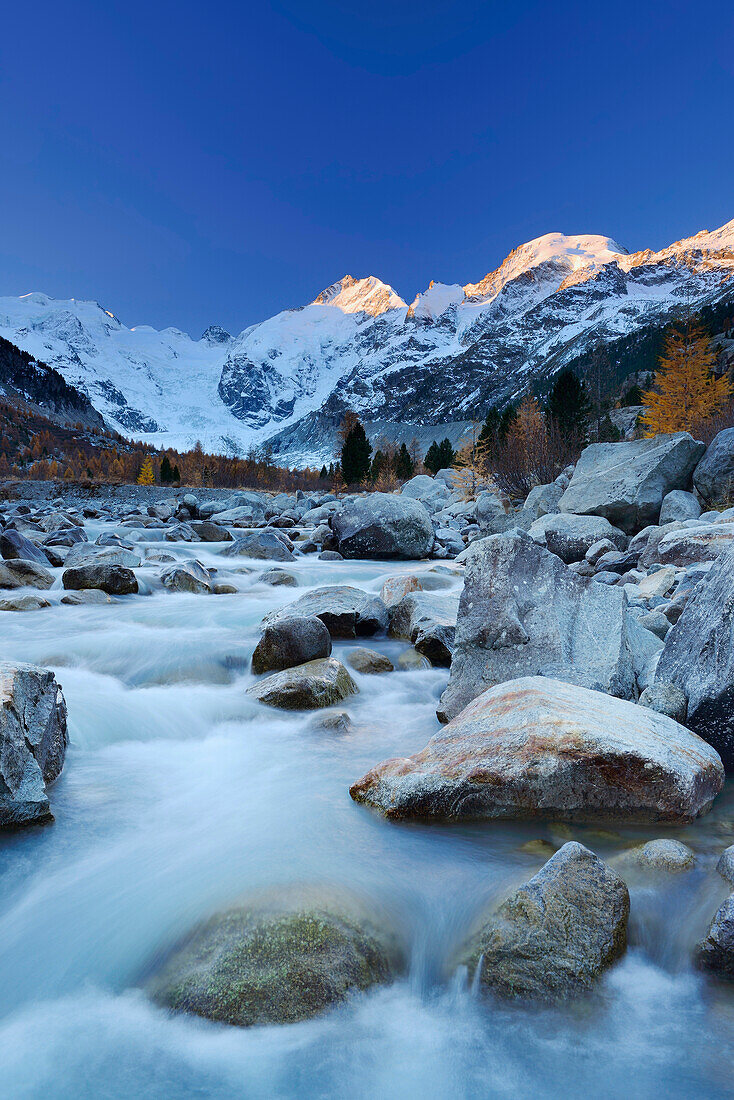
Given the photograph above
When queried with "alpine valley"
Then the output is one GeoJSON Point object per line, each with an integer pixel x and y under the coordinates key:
{"type": "Point", "coordinates": [404, 368]}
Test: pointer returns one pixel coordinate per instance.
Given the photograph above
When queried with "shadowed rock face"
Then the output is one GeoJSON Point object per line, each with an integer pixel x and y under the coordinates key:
{"type": "Point", "coordinates": [522, 612]}
{"type": "Point", "coordinates": [282, 958]}
{"type": "Point", "coordinates": [626, 482]}
{"type": "Point", "coordinates": [716, 952]}
{"type": "Point", "coordinates": [383, 526]}
{"type": "Point", "coordinates": [428, 620]}
{"type": "Point", "coordinates": [535, 747]}
{"type": "Point", "coordinates": [714, 475]}
{"type": "Point", "coordinates": [555, 936]}
{"type": "Point", "coordinates": [346, 612]}
{"type": "Point", "coordinates": [291, 642]}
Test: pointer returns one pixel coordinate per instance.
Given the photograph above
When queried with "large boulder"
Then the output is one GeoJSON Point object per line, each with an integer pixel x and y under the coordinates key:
{"type": "Point", "coordinates": [570, 536]}
{"type": "Point", "coordinates": [679, 505]}
{"type": "Point", "coordinates": [33, 742]}
{"type": "Point", "coordinates": [714, 475]}
{"type": "Point", "coordinates": [187, 576]}
{"type": "Point", "coordinates": [543, 499]}
{"type": "Point", "coordinates": [428, 620]}
{"type": "Point", "coordinates": [84, 554]}
{"type": "Point", "coordinates": [522, 612]}
{"type": "Point", "coordinates": [290, 642]}
{"type": "Point", "coordinates": [19, 573]}
{"type": "Point", "coordinates": [693, 545]}
{"type": "Point", "coordinates": [431, 493]}
{"type": "Point", "coordinates": [536, 747]}
{"type": "Point", "coordinates": [345, 611]}
{"type": "Point", "coordinates": [383, 526]}
{"type": "Point", "coordinates": [210, 532]}
{"type": "Point", "coordinates": [309, 686]}
{"type": "Point", "coordinates": [716, 952]}
{"type": "Point", "coordinates": [555, 936]}
{"type": "Point", "coordinates": [626, 482]}
{"type": "Point", "coordinates": [13, 545]}
{"type": "Point", "coordinates": [279, 958]}
{"type": "Point", "coordinates": [116, 580]}
{"type": "Point", "coordinates": [266, 545]}
{"type": "Point", "coordinates": [698, 657]}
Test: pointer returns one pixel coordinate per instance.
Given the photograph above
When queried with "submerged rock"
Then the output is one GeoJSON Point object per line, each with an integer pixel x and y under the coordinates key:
{"type": "Point", "coordinates": [716, 952]}
{"type": "Point", "coordinates": [24, 603]}
{"type": "Point", "coordinates": [33, 741]}
{"type": "Point", "coordinates": [555, 936]}
{"type": "Point", "coordinates": [308, 686]}
{"type": "Point", "coordinates": [368, 661]}
{"type": "Point", "coordinates": [290, 642]}
{"type": "Point", "coordinates": [428, 620]}
{"type": "Point", "coordinates": [411, 659]}
{"type": "Point", "coordinates": [187, 576]}
{"type": "Point", "coordinates": [345, 611]}
{"type": "Point", "coordinates": [279, 959]}
{"type": "Point", "coordinates": [278, 577]}
{"type": "Point", "coordinates": [116, 580]}
{"type": "Point", "coordinates": [383, 526]}
{"type": "Point", "coordinates": [536, 747]}
{"type": "Point", "coordinates": [667, 855]}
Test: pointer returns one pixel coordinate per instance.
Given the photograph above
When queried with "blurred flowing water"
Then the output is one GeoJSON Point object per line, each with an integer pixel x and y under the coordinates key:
{"type": "Point", "coordinates": [180, 796]}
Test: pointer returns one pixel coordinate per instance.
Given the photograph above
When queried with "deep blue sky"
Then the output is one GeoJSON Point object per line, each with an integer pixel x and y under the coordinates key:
{"type": "Point", "coordinates": [188, 163]}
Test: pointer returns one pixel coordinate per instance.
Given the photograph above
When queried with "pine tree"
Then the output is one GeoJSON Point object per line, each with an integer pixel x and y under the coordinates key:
{"type": "Point", "coordinates": [686, 392]}
{"type": "Point", "coordinates": [569, 406]}
{"type": "Point", "coordinates": [324, 472]}
{"type": "Point", "coordinates": [403, 464]}
{"type": "Point", "coordinates": [176, 474]}
{"type": "Point", "coordinates": [166, 471]}
{"type": "Point", "coordinates": [355, 454]}
{"type": "Point", "coordinates": [432, 461]}
{"type": "Point", "coordinates": [447, 454]}
{"type": "Point", "coordinates": [146, 475]}
{"type": "Point", "coordinates": [379, 463]}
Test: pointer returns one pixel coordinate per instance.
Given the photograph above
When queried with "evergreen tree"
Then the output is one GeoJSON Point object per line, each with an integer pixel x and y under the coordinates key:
{"type": "Point", "coordinates": [324, 472]}
{"type": "Point", "coordinates": [686, 393]}
{"type": "Point", "coordinates": [403, 464]}
{"type": "Point", "coordinates": [146, 475]}
{"type": "Point", "coordinates": [176, 474]}
{"type": "Point", "coordinates": [166, 471]}
{"type": "Point", "coordinates": [569, 406]}
{"type": "Point", "coordinates": [355, 455]}
{"type": "Point", "coordinates": [432, 461]}
{"type": "Point", "coordinates": [447, 454]}
{"type": "Point", "coordinates": [379, 463]}
{"type": "Point", "coordinates": [633, 396]}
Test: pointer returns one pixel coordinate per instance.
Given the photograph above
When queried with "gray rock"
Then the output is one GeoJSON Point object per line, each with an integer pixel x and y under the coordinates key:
{"type": "Point", "coordinates": [428, 620]}
{"type": "Point", "coordinates": [570, 536]}
{"type": "Point", "coordinates": [679, 505]}
{"type": "Point", "coordinates": [522, 612]}
{"type": "Point", "coordinates": [698, 657]}
{"type": "Point", "coordinates": [555, 936]}
{"type": "Point", "coordinates": [716, 953]}
{"type": "Point", "coordinates": [543, 500]}
{"type": "Point", "coordinates": [290, 642]}
{"type": "Point", "coordinates": [33, 742]}
{"type": "Point", "coordinates": [693, 545]}
{"type": "Point", "coordinates": [187, 576]}
{"type": "Point", "coordinates": [330, 555]}
{"type": "Point", "coordinates": [13, 545]}
{"type": "Point", "coordinates": [433, 494]}
{"type": "Point", "coordinates": [265, 545]}
{"type": "Point", "coordinates": [383, 526]}
{"type": "Point", "coordinates": [725, 866]}
{"type": "Point", "coordinates": [714, 475]}
{"type": "Point", "coordinates": [23, 603]}
{"type": "Point", "coordinates": [116, 580]}
{"type": "Point", "coordinates": [308, 686]}
{"type": "Point", "coordinates": [368, 661]}
{"type": "Point", "coordinates": [656, 623]}
{"type": "Point", "coordinates": [86, 596]}
{"type": "Point", "coordinates": [395, 588]}
{"type": "Point", "coordinates": [537, 747]}
{"type": "Point", "coordinates": [102, 556]}
{"type": "Point", "coordinates": [410, 659]}
{"type": "Point", "coordinates": [278, 577]}
{"type": "Point", "coordinates": [665, 699]}
{"type": "Point", "coordinates": [283, 957]}
{"type": "Point", "coordinates": [626, 482]}
{"type": "Point", "coordinates": [599, 549]}
{"type": "Point", "coordinates": [670, 856]}
{"type": "Point", "coordinates": [345, 611]}
{"type": "Point", "coordinates": [207, 531]}
{"type": "Point", "coordinates": [19, 573]}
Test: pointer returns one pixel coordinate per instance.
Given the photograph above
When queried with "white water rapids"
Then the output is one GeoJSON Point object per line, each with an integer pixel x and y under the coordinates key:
{"type": "Point", "coordinates": [180, 795]}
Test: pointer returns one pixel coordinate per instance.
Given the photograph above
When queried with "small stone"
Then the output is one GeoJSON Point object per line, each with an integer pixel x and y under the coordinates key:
{"type": "Point", "coordinates": [411, 659]}
{"type": "Point", "coordinates": [658, 855]}
{"type": "Point", "coordinates": [224, 590]}
{"type": "Point", "coordinates": [368, 661]}
{"type": "Point", "coordinates": [306, 687]}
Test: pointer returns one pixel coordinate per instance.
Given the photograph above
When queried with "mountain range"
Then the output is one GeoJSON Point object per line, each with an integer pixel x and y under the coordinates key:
{"type": "Point", "coordinates": [405, 368]}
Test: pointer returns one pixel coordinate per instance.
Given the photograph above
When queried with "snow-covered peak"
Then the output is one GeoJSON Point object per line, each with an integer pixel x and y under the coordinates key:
{"type": "Point", "coordinates": [567, 256]}
{"type": "Point", "coordinates": [436, 300]}
{"type": "Point", "coordinates": [368, 295]}
{"type": "Point", "coordinates": [215, 334]}
{"type": "Point", "coordinates": [715, 246]}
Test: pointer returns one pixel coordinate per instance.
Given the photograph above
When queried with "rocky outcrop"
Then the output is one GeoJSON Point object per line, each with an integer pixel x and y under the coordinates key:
{"type": "Point", "coordinates": [716, 952]}
{"type": "Point", "coordinates": [346, 612]}
{"type": "Point", "coordinates": [626, 482]}
{"type": "Point", "coordinates": [383, 526]}
{"type": "Point", "coordinates": [283, 957]}
{"type": "Point", "coordinates": [555, 936]}
{"type": "Point", "coordinates": [33, 741]}
{"type": "Point", "coordinates": [309, 686]}
{"type": "Point", "coordinates": [428, 620]}
{"type": "Point", "coordinates": [698, 657]}
{"type": "Point", "coordinates": [290, 642]}
{"type": "Point", "coordinates": [541, 748]}
{"type": "Point", "coordinates": [522, 612]}
{"type": "Point", "coordinates": [714, 475]}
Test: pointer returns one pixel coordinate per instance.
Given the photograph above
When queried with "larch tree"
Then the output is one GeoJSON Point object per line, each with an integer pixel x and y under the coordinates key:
{"type": "Point", "coordinates": [685, 392]}
{"type": "Point", "coordinates": [146, 475]}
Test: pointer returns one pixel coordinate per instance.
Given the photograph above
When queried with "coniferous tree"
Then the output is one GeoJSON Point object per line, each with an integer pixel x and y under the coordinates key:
{"type": "Point", "coordinates": [379, 463]}
{"type": "Point", "coordinates": [324, 472]}
{"type": "Point", "coordinates": [447, 454]}
{"type": "Point", "coordinates": [686, 393]}
{"type": "Point", "coordinates": [432, 461]}
{"type": "Point", "coordinates": [166, 471]}
{"type": "Point", "coordinates": [355, 453]}
{"type": "Point", "coordinates": [403, 464]}
{"type": "Point", "coordinates": [569, 406]}
{"type": "Point", "coordinates": [176, 474]}
{"type": "Point", "coordinates": [146, 475]}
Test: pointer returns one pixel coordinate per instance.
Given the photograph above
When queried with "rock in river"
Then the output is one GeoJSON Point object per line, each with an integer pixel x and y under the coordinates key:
{"type": "Point", "coordinates": [428, 620]}
{"type": "Point", "coordinates": [536, 747]}
{"type": "Point", "coordinates": [383, 526]}
{"type": "Point", "coordinates": [278, 959]}
{"type": "Point", "coordinates": [33, 742]}
{"type": "Point", "coordinates": [368, 661]}
{"type": "Point", "coordinates": [555, 936]}
{"type": "Point", "coordinates": [345, 611]}
{"type": "Point", "coordinates": [290, 642]}
{"type": "Point", "coordinates": [716, 952]}
{"type": "Point", "coordinates": [116, 580]}
{"type": "Point", "coordinates": [308, 686]}
{"type": "Point", "coordinates": [187, 576]}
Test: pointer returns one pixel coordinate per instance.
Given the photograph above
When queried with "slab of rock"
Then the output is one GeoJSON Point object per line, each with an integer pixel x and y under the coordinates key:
{"type": "Point", "coordinates": [522, 612]}
{"type": "Point", "coordinates": [187, 576]}
{"type": "Point", "coordinates": [208, 531]}
{"type": "Point", "coordinates": [395, 588]}
{"type": "Point", "coordinates": [556, 935]}
{"type": "Point", "coordinates": [716, 953]}
{"type": "Point", "coordinates": [691, 545]}
{"type": "Point", "coordinates": [264, 545]}
{"type": "Point", "coordinates": [278, 959]}
{"type": "Point", "coordinates": [368, 661]}
{"type": "Point", "coordinates": [428, 620]}
{"type": "Point", "coordinates": [102, 555]}
{"type": "Point", "coordinates": [33, 742]}
{"type": "Point", "coordinates": [383, 526]}
{"type": "Point", "coordinates": [714, 475]}
{"type": "Point", "coordinates": [570, 536]}
{"type": "Point", "coordinates": [13, 545]}
{"type": "Point", "coordinates": [24, 603]}
{"type": "Point", "coordinates": [627, 482]}
{"type": "Point", "coordinates": [19, 573]}
{"type": "Point", "coordinates": [537, 747]}
{"type": "Point", "coordinates": [290, 642]}
{"type": "Point", "coordinates": [309, 686]}
{"type": "Point", "coordinates": [278, 577]}
{"type": "Point", "coordinates": [116, 580]}
{"type": "Point", "coordinates": [345, 611]}
{"type": "Point", "coordinates": [698, 657]}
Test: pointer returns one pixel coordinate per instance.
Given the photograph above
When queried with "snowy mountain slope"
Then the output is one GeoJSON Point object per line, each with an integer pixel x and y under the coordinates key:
{"type": "Point", "coordinates": [444, 358]}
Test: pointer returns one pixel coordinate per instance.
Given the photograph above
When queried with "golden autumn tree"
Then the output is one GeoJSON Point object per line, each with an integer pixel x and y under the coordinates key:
{"type": "Point", "coordinates": [146, 475]}
{"type": "Point", "coordinates": [471, 463]}
{"type": "Point", "coordinates": [686, 392]}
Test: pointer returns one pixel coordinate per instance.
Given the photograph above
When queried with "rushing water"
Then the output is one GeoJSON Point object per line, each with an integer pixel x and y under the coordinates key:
{"type": "Point", "coordinates": [181, 795]}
